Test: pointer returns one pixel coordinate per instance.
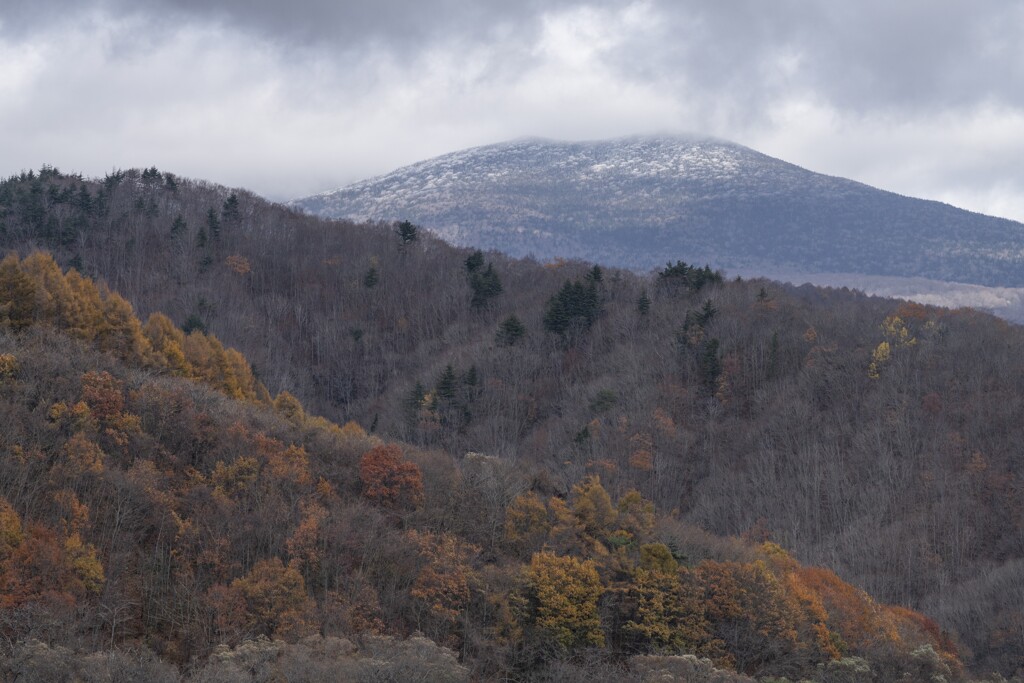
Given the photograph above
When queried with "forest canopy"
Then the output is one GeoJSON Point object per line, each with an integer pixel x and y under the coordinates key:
{"type": "Point", "coordinates": [871, 437]}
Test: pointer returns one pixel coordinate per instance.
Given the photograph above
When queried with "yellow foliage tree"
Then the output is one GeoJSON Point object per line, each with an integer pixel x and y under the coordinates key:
{"type": "Point", "coordinates": [879, 357]}
{"type": "Point", "coordinates": [562, 594]}
{"type": "Point", "coordinates": [526, 522]}
{"type": "Point", "coordinates": [8, 366]}
{"type": "Point", "coordinates": [121, 332]}
{"type": "Point", "coordinates": [82, 315]}
{"type": "Point", "coordinates": [593, 507]}
{"type": "Point", "coordinates": [84, 563]}
{"type": "Point", "coordinates": [636, 514]}
{"type": "Point", "coordinates": [168, 343]}
{"type": "Point", "coordinates": [665, 614]}
{"type": "Point", "coordinates": [17, 294]}
{"type": "Point", "coordinates": [54, 301]}
{"type": "Point", "coordinates": [289, 407]}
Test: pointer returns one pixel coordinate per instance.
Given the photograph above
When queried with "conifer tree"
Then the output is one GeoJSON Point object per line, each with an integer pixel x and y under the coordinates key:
{"type": "Point", "coordinates": [510, 331]}
{"type": "Point", "coordinates": [407, 232]}
{"type": "Point", "coordinates": [643, 304]}
{"type": "Point", "coordinates": [229, 212]}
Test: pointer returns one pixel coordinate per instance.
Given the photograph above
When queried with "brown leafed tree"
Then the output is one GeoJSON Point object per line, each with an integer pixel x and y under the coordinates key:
{"type": "Point", "coordinates": [389, 479]}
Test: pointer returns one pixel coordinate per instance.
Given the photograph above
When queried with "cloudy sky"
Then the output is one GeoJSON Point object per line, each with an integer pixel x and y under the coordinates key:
{"type": "Point", "coordinates": [922, 97]}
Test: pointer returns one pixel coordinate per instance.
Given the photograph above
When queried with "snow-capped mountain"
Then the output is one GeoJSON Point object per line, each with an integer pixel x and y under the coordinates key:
{"type": "Point", "coordinates": [639, 202]}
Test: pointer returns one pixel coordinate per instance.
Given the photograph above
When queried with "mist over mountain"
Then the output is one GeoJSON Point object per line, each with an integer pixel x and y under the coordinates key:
{"type": "Point", "coordinates": [639, 202]}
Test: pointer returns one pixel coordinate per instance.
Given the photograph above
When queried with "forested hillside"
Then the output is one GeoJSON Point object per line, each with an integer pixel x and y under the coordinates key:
{"type": "Point", "coordinates": [875, 438]}
{"type": "Point", "coordinates": [153, 516]}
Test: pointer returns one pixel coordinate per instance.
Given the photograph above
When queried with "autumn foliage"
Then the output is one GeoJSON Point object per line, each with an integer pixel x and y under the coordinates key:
{"type": "Point", "coordinates": [35, 290]}
{"type": "Point", "coordinates": [390, 480]}
{"type": "Point", "coordinates": [150, 492]}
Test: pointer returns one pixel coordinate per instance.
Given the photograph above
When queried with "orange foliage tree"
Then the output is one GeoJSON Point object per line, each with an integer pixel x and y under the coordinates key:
{"type": "Point", "coordinates": [750, 612]}
{"type": "Point", "coordinates": [270, 600]}
{"type": "Point", "coordinates": [445, 580]}
{"type": "Point", "coordinates": [389, 479]}
{"type": "Point", "coordinates": [103, 394]}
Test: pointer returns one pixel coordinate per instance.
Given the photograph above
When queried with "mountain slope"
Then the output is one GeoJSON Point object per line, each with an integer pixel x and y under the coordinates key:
{"type": "Point", "coordinates": [140, 509]}
{"type": "Point", "coordinates": [639, 202]}
{"type": "Point", "coordinates": [749, 407]}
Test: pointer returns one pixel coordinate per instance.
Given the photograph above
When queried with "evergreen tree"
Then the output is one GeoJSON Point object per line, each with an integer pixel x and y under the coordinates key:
{"type": "Point", "coordinates": [371, 278]}
{"type": "Point", "coordinates": [684, 276]}
{"type": "Point", "coordinates": [447, 385]}
{"type": "Point", "coordinates": [178, 226]}
{"type": "Point", "coordinates": [229, 212]}
{"type": "Point", "coordinates": [413, 402]}
{"type": "Point", "coordinates": [83, 201]}
{"type": "Point", "coordinates": [407, 232]}
{"type": "Point", "coordinates": [474, 261]}
{"type": "Point", "coordinates": [193, 323]}
{"type": "Point", "coordinates": [510, 331]}
{"type": "Point", "coordinates": [643, 304]}
{"type": "Point", "coordinates": [710, 364]}
{"type": "Point", "coordinates": [575, 304]}
{"type": "Point", "coordinates": [213, 223]}
{"type": "Point", "coordinates": [485, 285]}
{"type": "Point", "coordinates": [707, 312]}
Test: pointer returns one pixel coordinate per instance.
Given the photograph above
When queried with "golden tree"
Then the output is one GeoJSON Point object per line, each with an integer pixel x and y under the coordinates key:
{"type": "Point", "coordinates": [562, 593]}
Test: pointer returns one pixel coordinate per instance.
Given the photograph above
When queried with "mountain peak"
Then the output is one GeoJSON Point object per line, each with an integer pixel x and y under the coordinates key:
{"type": "Point", "coordinates": [639, 201]}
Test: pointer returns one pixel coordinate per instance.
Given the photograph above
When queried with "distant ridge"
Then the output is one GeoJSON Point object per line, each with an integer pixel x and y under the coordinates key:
{"type": "Point", "coordinates": [638, 202]}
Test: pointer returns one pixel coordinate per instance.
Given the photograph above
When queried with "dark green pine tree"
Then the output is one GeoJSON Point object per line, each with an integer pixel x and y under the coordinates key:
{"type": "Point", "coordinates": [643, 304]}
{"type": "Point", "coordinates": [710, 364]}
{"type": "Point", "coordinates": [213, 223]}
{"type": "Point", "coordinates": [178, 226]}
{"type": "Point", "coordinates": [575, 304]}
{"type": "Point", "coordinates": [230, 211]}
{"type": "Point", "coordinates": [474, 261]}
{"type": "Point", "coordinates": [371, 278]}
{"type": "Point", "coordinates": [447, 386]}
{"type": "Point", "coordinates": [407, 232]}
{"type": "Point", "coordinates": [485, 285]}
{"type": "Point", "coordinates": [510, 331]}
{"type": "Point", "coordinates": [413, 402]}
{"type": "Point", "coordinates": [707, 312]}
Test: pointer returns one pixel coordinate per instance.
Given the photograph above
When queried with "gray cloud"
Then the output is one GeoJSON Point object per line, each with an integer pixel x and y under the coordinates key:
{"type": "Point", "coordinates": [403, 26]}
{"type": "Point", "coordinates": [915, 53]}
{"type": "Point", "coordinates": [918, 96]}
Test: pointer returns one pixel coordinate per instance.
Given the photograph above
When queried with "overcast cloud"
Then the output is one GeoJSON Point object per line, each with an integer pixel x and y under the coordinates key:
{"type": "Point", "coordinates": [287, 99]}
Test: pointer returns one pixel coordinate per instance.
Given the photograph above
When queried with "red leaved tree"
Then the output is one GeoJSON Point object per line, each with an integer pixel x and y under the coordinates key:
{"type": "Point", "coordinates": [389, 479]}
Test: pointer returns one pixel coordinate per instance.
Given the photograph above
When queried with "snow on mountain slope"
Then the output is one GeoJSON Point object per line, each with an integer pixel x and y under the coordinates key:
{"type": "Point", "coordinates": [641, 201]}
